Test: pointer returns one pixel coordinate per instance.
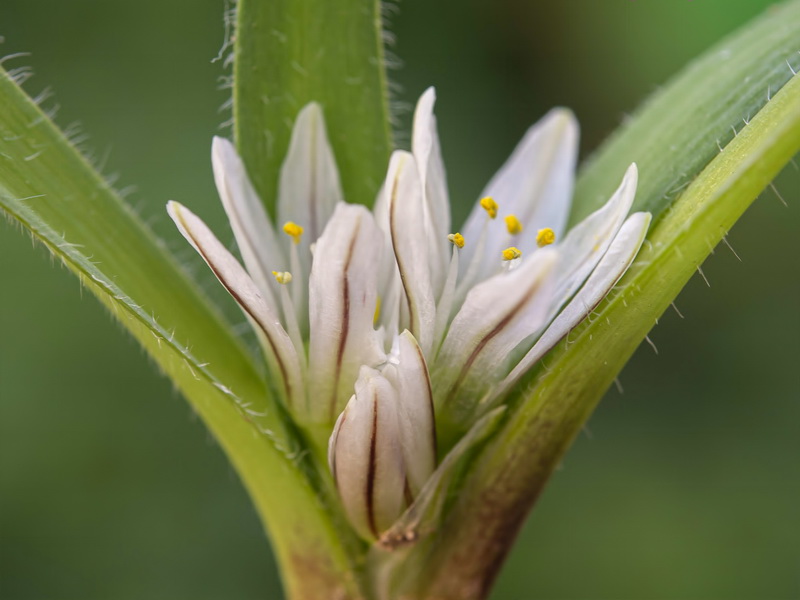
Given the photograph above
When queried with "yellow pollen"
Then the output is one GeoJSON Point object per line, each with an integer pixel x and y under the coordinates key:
{"type": "Point", "coordinates": [545, 237]}
{"type": "Point", "coordinates": [513, 225]}
{"type": "Point", "coordinates": [282, 276]}
{"type": "Point", "coordinates": [293, 230]}
{"type": "Point", "coordinates": [377, 314]}
{"type": "Point", "coordinates": [511, 253]}
{"type": "Point", "coordinates": [457, 239]}
{"type": "Point", "coordinates": [490, 206]}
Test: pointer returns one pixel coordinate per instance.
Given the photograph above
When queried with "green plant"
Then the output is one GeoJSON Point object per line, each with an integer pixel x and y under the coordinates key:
{"type": "Point", "coordinates": [147, 292]}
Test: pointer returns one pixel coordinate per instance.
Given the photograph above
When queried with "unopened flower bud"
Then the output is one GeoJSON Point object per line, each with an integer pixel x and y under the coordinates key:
{"type": "Point", "coordinates": [409, 376]}
{"type": "Point", "coordinates": [383, 447]}
{"type": "Point", "coordinates": [366, 456]}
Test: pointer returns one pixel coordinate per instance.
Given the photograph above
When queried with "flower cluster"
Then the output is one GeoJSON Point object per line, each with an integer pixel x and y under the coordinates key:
{"type": "Point", "coordinates": [387, 328]}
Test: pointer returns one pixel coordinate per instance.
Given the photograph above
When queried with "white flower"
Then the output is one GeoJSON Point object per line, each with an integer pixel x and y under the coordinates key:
{"type": "Point", "coordinates": [376, 321]}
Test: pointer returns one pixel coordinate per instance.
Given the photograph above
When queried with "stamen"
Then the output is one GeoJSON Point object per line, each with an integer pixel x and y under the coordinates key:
{"type": "Point", "coordinates": [490, 206]}
{"type": "Point", "coordinates": [511, 253]}
{"type": "Point", "coordinates": [456, 239]}
{"type": "Point", "coordinates": [445, 305]}
{"type": "Point", "coordinates": [545, 237]}
{"type": "Point", "coordinates": [282, 277]}
{"type": "Point", "coordinates": [475, 263]}
{"type": "Point", "coordinates": [293, 230]}
{"type": "Point", "coordinates": [290, 315]}
{"type": "Point", "coordinates": [298, 287]}
{"type": "Point", "coordinates": [377, 314]}
{"type": "Point", "coordinates": [513, 225]}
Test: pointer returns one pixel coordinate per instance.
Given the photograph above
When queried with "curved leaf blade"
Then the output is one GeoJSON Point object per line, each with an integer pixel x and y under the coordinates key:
{"type": "Point", "coordinates": [48, 188]}
{"type": "Point", "coordinates": [681, 128]}
{"type": "Point", "coordinates": [292, 52]}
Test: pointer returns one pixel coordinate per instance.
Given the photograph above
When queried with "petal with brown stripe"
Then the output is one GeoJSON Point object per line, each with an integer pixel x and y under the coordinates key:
{"type": "Point", "coordinates": [251, 226]}
{"type": "Point", "coordinates": [342, 302]}
{"type": "Point", "coordinates": [406, 213]}
{"type": "Point", "coordinates": [280, 352]}
{"type": "Point", "coordinates": [366, 458]}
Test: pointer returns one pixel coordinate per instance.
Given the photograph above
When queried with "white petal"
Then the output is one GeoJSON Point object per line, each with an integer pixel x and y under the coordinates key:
{"type": "Point", "coordinates": [308, 192]}
{"type": "Point", "coordinates": [342, 301]}
{"type": "Point", "coordinates": [535, 184]}
{"type": "Point", "coordinates": [417, 429]}
{"type": "Point", "coordinates": [309, 184]}
{"type": "Point", "coordinates": [366, 457]}
{"type": "Point", "coordinates": [608, 272]}
{"type": "Point", "coordinates": [277, 345]}
{"type": "Point", "coordinates": [496, 316]}
{"type": "Point", "coordinates": [427, 152]}
{"type": "Point", "coordinates": [588, 241]}
{"type": "Point", "coordinates": [252, 228]}
{"type": "Point", "coordinates": [390, 288]}
{"type": "Point", "coordinates": [409, 242]}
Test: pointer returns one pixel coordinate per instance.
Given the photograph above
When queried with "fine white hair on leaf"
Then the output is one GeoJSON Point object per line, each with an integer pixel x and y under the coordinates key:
{"type": "Point", "coordinates": [229, 22]}
{"type": "Point", "coordinates": [20, 75]}
{"type": "Point", "coordinates": [703, 275]}
{"type": "Point", "coordinates": [13, 56]}
{"type": "Point", "coordinates": [778, 194]}
{"type": "Point", "coordinates": [225, 55]}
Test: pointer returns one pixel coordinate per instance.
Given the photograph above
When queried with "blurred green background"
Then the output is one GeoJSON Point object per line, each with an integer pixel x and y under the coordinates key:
{"type": "Point", "coordinates": [685, 486]}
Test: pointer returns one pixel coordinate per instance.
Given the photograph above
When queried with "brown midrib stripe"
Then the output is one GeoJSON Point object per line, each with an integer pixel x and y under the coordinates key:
{"type": "Point", "coordinates": [245, 234]}
{"type": "Point", "coordinates": [411, 312]}
{"type": "Point", "coordinates": [240, 302]}
{"type": "Point", "coordinates": [345, 322]}
{"type": "Point", "coordinates": [370, 487]}
{"type": "Point", "coordinates": [482, 344]}
{"type": "Point", "coordinates": [430, 397]}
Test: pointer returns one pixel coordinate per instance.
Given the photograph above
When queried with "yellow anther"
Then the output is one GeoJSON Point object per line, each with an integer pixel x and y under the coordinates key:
{"type": "Point", "coordinates": [282, 276]}
{"type": "Point", "coordinates": [377, 314]}
{"type": "Point", "coordinates": [293, 230]}
{"type": "Point", "coordinates": [513, 225]}
{"type": "Point", "coordinates": [490, 206]}
{"type": "Point", "coordinates": [456, 239]}
{"type": "Point", "coordinates": [545, 237]}
{"type": "Point", "coordinates": [511, 253]}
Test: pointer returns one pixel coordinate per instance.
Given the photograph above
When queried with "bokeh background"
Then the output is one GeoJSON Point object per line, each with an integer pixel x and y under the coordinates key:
{"type": "Point", "coordinates": [687, 485]}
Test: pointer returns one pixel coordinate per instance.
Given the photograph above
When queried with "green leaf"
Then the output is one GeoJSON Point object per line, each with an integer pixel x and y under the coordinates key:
{"type": "Point", "coordinates": [681, 128]}
{"type": "Point", "coordinates": [291, 52]}
{"type": "Point", "coordinates": [552, 404]}
{"type": "Point", "coordinates": [48, 188]}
